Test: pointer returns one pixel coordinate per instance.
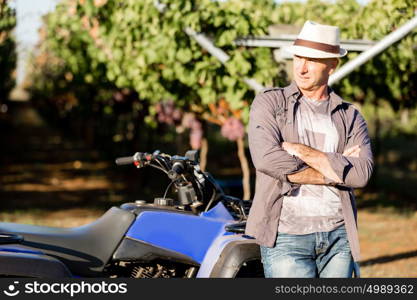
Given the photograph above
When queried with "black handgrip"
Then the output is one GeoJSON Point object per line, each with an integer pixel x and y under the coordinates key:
{"type": "Point", "coordinates": [236, 227]}
{"type": "Point", "coordinates": [128, 160]}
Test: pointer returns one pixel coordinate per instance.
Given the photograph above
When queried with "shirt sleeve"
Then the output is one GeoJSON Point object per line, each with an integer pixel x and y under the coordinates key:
{"type": "Point", "coordinates": [265, 138]}
{"type": "Point", "coordinates": [354, 172]}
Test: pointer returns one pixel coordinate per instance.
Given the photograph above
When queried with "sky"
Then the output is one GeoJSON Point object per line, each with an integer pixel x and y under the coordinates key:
{"type": "Point", "coordinates": [29, 14]}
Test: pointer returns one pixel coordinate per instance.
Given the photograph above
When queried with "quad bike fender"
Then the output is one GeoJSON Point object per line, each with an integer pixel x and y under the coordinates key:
{"type": "Point", "coordinates": [233, 257]}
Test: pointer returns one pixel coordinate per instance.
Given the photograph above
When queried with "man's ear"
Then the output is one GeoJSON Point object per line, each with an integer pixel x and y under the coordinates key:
{"type": "Point", "coordinates": [333, 65]}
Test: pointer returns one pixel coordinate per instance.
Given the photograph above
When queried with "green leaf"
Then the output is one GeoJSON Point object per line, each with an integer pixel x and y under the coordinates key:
{"type": "Point", "coordinates": [184, 55]}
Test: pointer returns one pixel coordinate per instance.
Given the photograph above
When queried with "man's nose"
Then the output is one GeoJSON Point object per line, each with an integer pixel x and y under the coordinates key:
{"type": "Point", "coordinates": [302, 67]}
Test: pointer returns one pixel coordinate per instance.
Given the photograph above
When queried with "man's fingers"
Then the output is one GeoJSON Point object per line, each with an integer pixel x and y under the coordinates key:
{"type": "Point", "coordinates": [290, 148]}
{"type": "Point", "coordinates": [286, 146]}
{"type": "Point", "coordinates": [353, 151]}
{"type": "Point", "coordinates": [347, 152]}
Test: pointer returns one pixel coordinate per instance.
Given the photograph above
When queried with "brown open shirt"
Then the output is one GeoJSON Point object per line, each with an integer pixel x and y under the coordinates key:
{"type": "Point", "coordinates": [272, 121]}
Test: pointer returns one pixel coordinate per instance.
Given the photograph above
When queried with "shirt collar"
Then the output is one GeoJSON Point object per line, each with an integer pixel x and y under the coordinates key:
{"type": "Point", "coordinates": [294, 91]}
{"type": "Point", "coordinates": [335, 99]}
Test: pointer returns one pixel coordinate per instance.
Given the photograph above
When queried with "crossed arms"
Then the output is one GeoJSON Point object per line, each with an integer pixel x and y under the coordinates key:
{"type": "Point", "coordinates": [294, 164]}
{"type": "Point", "coordinates": [319, 165]}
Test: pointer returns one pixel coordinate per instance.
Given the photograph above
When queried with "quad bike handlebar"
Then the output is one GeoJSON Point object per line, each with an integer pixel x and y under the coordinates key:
{"type": "Point", "coordinates": [196, 189]}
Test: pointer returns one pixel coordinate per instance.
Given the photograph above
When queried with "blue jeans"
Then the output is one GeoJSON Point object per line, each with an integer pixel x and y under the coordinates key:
{"type": "Point", "coordinates": [319, 254]}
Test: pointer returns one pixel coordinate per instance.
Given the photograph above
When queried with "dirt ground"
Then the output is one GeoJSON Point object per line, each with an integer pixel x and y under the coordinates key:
{"type": "Point", "coordinates": [388, 243]}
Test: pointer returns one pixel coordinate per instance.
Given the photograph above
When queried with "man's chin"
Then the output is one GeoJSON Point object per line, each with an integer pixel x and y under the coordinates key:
{"type": "Point", "coordinates": [304, 85]}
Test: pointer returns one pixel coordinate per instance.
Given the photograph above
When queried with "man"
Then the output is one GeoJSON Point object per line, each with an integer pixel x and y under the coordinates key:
{"type": "Point", "coordinates": [310, 150]}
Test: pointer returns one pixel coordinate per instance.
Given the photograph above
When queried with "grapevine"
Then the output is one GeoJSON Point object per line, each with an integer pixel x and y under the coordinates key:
{"type": "Point", "coordinates": [92, 50]}
{"type": "Point", "coordinates": [7, 49]}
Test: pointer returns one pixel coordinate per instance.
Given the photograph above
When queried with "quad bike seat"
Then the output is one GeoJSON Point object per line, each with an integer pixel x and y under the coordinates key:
{"type": "Point", "coordinates": [18, 261]}
{"type": "Point", "coordinates": [85, 250]}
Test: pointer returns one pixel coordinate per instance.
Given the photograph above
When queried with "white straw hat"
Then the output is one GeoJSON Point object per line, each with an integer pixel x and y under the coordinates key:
{"type": "Point", "coordinates": [318, 41]}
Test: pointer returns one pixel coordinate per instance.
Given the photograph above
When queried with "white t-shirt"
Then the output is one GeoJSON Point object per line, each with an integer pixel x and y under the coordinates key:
{"type": "Point", "coordinates": [313, 208]}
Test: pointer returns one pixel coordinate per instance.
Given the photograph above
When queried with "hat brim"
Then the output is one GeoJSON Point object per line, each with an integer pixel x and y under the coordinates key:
{"type": "Point", "coordinates": [314, 53]}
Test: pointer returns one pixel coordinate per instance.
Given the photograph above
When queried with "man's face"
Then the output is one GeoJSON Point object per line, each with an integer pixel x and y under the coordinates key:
{"type": "Point", "coordinates": [312, 73]}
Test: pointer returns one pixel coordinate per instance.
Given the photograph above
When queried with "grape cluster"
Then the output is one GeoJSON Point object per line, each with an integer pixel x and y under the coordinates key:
{"type": "Point", "coordinates": [167, 113]}
{"type": "Point", "coordinates": [123, 95]}
{"type": "Point", "coordinates": [233, 129]}
{"type": "Point", "coordinates": [196, 129]}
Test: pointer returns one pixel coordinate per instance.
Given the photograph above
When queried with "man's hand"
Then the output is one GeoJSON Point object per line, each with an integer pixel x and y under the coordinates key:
{"type": "Point", "coordinates": [317, 159]}
{"type": "Point", "coordinates": [353, 151]}
{"type": "Point", "coordinates": [295, 149]}
{"type": "Point", "coordinates": [307, 176]}
{"type": "Point", "coordinates": [314, 158]}
{"type": "Point", "coordinates": [291, 148]}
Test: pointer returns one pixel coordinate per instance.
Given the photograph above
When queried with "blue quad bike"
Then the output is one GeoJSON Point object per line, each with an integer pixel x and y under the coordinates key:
{"type": "Point", "coordinates": [199, 234]}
